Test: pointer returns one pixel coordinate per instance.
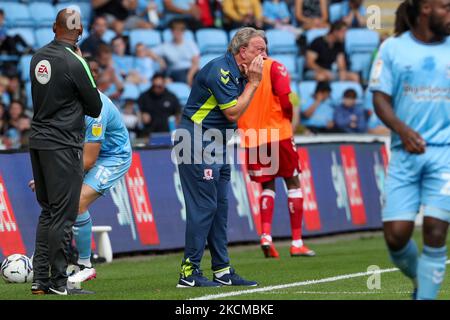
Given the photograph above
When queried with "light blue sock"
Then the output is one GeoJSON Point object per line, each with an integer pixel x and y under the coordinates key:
{"type": "Point", "coordinates": [431, 272]}
{"type": "Point", "coordinates": [406, 259]}
{"type": "Point", "coordinates": [82, 231]}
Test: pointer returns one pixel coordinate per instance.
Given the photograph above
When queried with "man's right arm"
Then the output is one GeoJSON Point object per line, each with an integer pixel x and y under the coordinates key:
{"type": "Point", "coordinates": [84, 82]}
{"type": "Point", "coordinates": [254, 75]}
{"type": "Point", "coordinates": [381, 84]}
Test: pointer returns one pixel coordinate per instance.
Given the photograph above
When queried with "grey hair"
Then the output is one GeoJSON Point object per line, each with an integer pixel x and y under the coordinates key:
{"type": "Point", "coordinates": [243, 37]}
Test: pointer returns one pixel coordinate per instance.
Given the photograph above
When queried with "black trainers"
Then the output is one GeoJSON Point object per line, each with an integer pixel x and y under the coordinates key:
{"type": "Point", "coordinates": [38, 288]}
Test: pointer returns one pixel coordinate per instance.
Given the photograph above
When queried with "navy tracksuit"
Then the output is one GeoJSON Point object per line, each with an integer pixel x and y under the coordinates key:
{"type": "Point", "coordinates": [205, 186]}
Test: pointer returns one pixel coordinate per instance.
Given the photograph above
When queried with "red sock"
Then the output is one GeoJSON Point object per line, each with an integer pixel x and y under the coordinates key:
{"type": "Point", "coordinates": [266, 205]}
{"type": "Point", "coordinates": [295, 205]}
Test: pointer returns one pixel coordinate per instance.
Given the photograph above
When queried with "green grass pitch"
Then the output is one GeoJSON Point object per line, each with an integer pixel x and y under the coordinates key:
{"type": "Point", "coordinates": [155, 277]}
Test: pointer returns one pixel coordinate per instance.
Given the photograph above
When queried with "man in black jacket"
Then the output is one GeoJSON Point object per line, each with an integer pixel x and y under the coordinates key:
{"type": "Point", "coordinates": [157, 104]}
{"type": "Point", "coordinates": [63, 91]}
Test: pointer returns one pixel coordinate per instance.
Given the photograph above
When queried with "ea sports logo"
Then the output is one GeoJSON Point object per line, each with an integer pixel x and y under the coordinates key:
{"type": "Point", "coordinates": [43, 71]}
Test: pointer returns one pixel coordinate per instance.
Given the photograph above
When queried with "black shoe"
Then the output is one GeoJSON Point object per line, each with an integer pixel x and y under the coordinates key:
{"type": "Point", "coordinates": [38, 288]}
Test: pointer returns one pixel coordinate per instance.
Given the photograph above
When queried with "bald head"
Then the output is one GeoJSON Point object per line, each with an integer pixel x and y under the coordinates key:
{"type": "Point", "coordinates": [67, 26]}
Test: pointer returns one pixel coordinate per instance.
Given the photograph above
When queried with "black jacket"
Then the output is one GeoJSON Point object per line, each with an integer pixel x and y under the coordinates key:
{"type": "Point", "coordinates": [63, 91]}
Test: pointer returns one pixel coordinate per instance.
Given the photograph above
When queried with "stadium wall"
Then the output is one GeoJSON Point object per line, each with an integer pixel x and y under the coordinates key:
{"type": "Point", "coordinates": [342, 184]}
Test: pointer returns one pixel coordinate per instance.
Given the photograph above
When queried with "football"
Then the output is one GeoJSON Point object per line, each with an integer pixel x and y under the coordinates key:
{"type": "Point", "coordinates": [17, 268]}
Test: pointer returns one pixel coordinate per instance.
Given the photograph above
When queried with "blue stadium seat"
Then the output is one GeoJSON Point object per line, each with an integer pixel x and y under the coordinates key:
{"type": "Point", "coordinates": [231, 33]}
{"type": "Point", "coordinates": [17, 14]}
{"type": "Point", "coordinates": [359, 46]}
{"type": "Point", "coordinates": [123, 64]}
{"type": "Point", "coordinates": [335, 12]}
{"type": "Point", "coordinates": [167, 35]}
{"type": "Point", "coordinates": [338, 88]}
{"type": "Point", "coordinates": [181, 90]}
{"type": "Point", "coordinates": [300, 66]}
{"type": "Point", "coordinates": [212, 41]}
{"type": "Point", "coordinates": [306, 92]}
{"type": "Point", "coordinates": [149, 38]}
{"type": "Point", "coordinates": [26, 33]}
{"type": "Point", "coordinates": [24, 67]}
{"type": "Point", "coordinates": [368, 103]}
{"type": "Point", "coordinates": [204, 59]}
{"type": "Point", "coordinates": [108, 36]}
{"type": "Point", "coordinates": [361, 62]}
{"type": "Point", "coordinates": [83, 7]}
{"type": "Point", "coordinates": [43, 36]}
{"type": "Point", "coordinates": [43, 14]}
{"type": "Point", "coordinates": [289, 61]}
{"type": "Point", "coordinates": [314, 33]}
{"type": "Point", "coordinates": [359, 40]}
{"type": "Point", "coordinates": [144, 87]}
{"type": "Point", "coordinates": [281, 42]}
{"type": "Point", "coordinates": [130, 91]}
{"type": "Point", "coordinates": [294, 87]}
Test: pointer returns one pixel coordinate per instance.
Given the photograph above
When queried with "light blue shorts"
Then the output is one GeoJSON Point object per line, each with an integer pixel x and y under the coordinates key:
{"type": "Point", "coordinates": [415, 180]}
{"type": "Point", "coordinates": [106, 172]}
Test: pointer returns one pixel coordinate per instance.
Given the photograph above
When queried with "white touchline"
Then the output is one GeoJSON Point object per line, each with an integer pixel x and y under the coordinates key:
{"type": "Point", "coordinates": [295, 284]}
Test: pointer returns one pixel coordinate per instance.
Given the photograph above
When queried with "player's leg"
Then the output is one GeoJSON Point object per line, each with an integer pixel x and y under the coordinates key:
{"type": "Point", "coordinates": [402, 202]}
{"type": "Point", "coordinates": [200, 195]}
{"type": "Point", "coordinates": [61, 166]}
{"type": "Point", "coordinates": [266, 201]}
{"type": "Point", "coordinates": [436, 209]}
{"type": "Point", "coordinates": [101, 178]}
{"type": "Point", "coordinates": [266, 207]}
{"type": "Point", "coordinates": [295, 207]}
{"type": "Point", "coordinates": [432, 261]}
{"type": "Point", "coordinates": [41, 266]}
{"type": "Point", "coordinates": [82, 232]}
{"type": "Point", "coordinates": [217, 237]}
{"type": "Point", "coordinates": [289, 169]}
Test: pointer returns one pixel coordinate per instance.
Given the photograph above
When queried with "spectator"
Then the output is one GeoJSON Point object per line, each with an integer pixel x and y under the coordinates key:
{"type": "Point", "coordinates": [318, 117]}
{"type": "Point", "coordinates": [90, 45]}
{"type": "Point", "coordinates": [182, 55]}
{"type": "Point", "coordinates": [4, 142]}
{"type": "Point", "coordinates": [242, 13]}
{"type": "Point", "coordinates": [108, 82]}
{"type": "Point", "coordinates": [157, 104]}
{"type": "Point", "coordinates": [276, 13]}
{"type": "Point", "coordinates": [131, 117]}
{"type": "Point", "coordinates": [326, 54]}
{"type": "Point", "coordinates": [186, 10]}
{"type": "Point", "coordinates": [143, 68]}
{"type": "Point", "coordinates": [350, 117]}
{"type": "Point", "coordinates": [311, 14]}
{"type": "Point", "coordinates": [4, 97]}
{"type": "Point", "coordinates": [17, 123]}
{"type": "Point", "coordinates": [8, 44]}
{"type": "Point", "coordinates": [123, 63]}
{"type": "Point", "coordinates": [151, 10]}
{"type": "Point", "coordinates": [120, 14]}
{"type": "Point", "coordinates": [354, 14]}
{"type": "Point", "coordinates": [14, 90]}
{"type": "Point", "coordinates": [3, 120]}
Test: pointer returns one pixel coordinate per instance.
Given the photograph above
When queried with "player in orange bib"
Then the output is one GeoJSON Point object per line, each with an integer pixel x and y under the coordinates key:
{"type": "Point", "coordinates": [270, 114]}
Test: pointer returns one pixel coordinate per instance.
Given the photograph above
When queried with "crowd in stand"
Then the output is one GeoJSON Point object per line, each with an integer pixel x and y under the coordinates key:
{"type": "Point", "coordinates": [127, 64]}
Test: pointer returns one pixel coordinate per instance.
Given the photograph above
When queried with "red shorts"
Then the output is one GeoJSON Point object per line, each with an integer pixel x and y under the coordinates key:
{"type": "Point", "coordinates": [264, 166]}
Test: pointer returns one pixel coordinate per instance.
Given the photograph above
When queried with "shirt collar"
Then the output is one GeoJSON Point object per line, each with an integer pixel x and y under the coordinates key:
{"type": "Point", "coordinates": [65, 44]}
{"type": "Point", "coordinates": [234, 68]}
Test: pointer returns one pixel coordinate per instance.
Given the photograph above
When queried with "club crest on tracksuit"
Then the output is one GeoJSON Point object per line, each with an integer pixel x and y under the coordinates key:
{"type": "Point", "coordinates": [208, 174]}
